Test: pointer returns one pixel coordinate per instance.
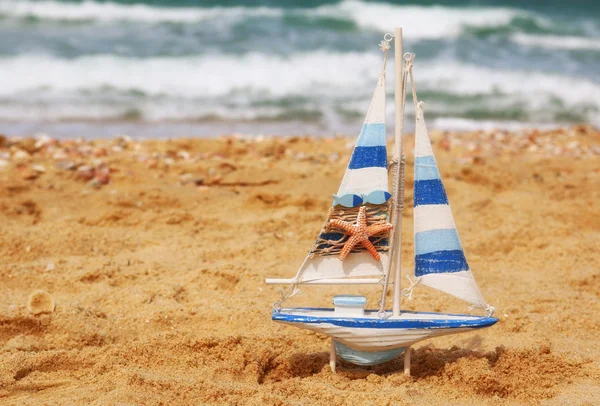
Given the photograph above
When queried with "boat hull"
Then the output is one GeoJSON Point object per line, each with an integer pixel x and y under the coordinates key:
{"type": "Point", "coordinates": [366, 358]}
{"type": "Point", "coordinates": [370, 333]}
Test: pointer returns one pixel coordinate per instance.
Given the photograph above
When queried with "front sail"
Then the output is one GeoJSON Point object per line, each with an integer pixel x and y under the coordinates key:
{"type": "Point", "coordinates": [439, 258]}
{"type": "Point", "coordinates": [365, 183]}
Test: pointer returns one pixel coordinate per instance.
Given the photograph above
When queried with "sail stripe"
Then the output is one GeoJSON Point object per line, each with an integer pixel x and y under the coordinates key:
{"type": "Point", "coordinates": [430, 191]}
{"type": "Point", "coordinates": [436, 240]}
{"type": "Point", "coordinates": [433, 217]}
{"type": "Point", "coordinates": [364, 181]}
{"type": "Point", "coordinates": [367, 169]}
{"type": "Point", "coordinates": [365, 157]}
{"type": "Point", "coordinates": [426, 168]}
{"type": "Point", "coordinates": [440, 262]}
{"type": "Point", "coordinates": [371, 135]}
{"type": "Point", "coordinates": [439, 259]}
{"type": "Point", "coordinates": [425, 160]}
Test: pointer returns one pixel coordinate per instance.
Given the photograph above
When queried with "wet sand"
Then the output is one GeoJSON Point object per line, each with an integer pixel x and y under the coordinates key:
{"type": "Point", "coordinates": [155, 253]}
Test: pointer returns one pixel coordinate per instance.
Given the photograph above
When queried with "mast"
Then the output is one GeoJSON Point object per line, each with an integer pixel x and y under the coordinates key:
{"type": "Point", "coordinates": [398, 130]}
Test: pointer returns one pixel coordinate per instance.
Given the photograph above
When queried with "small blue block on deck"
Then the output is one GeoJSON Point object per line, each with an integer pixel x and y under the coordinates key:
{"type": "Point", "coordinates": [349, 300]}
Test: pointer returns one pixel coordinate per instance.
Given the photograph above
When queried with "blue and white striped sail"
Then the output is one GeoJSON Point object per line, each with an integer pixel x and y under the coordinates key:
{"type": "Point", "coordinates": [439, 258]}
{"type": "Point", "coordinates": [366, 177]}
{"type": "Point", "coordinates": [365, 181]}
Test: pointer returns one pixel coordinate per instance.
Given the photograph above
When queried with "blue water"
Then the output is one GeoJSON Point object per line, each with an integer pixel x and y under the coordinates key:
{"type": "Point", "coordinates": [201, 67]}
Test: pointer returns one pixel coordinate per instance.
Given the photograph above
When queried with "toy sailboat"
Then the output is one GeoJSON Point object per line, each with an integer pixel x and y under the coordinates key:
{"type": "Point", "coordinates": [360, 243]}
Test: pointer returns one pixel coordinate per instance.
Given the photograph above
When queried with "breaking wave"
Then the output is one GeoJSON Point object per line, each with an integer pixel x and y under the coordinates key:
{"type": "Point", "coordinates": [305, 84]}
{"type": "Point", "coordinates": [421, 21]}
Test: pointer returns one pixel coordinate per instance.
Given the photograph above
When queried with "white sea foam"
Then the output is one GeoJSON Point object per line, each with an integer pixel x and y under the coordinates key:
{"type": "Point", "coordinates": [557, 42]}
{"type": "Point", "coordinates": [420, 21]}
{"type": "Point", "coordinates": [465, 124]}
{"type": "Point", "coordinates": [204, 77]}
{"type": "Point", "coordinates": [314, 72]}
{"type": "Point", "coordinates": [423, 22]}
{"type": "Point", "coordinates": [105, 12]}
{"type": "Point", "coordinates": [536, 88]}
{"type": "Point", "coordinates": [227, 86]}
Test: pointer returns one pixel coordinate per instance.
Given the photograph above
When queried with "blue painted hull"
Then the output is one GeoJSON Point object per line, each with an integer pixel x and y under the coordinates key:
{"type": "Point", "coordinates": [453, 320]}
{"type": "Point", "coordinates": [374, 338]}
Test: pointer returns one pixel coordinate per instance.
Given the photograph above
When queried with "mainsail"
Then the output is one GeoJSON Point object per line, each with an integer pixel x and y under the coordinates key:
{"type": "Point", "coordinates": [365, 183]}
{"type": "Point", "coordinates": [439, 258]}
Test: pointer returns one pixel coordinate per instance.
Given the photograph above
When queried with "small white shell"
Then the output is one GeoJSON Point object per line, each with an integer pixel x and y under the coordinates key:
{"type": "Point", "coordinates": [39, 302]}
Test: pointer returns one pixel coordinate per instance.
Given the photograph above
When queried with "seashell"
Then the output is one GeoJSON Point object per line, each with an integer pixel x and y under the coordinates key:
{"type": "Point", "coordinates": [183, 154]}
{"type": "Point", "coordinates": [85, 172]}
{"type": "Point", "coordinates": [99, 152]}
{"type": "Point", "coordinates": [152, 163]}
{"type": "Point", "coordinates": [38, 168]}
{"type": "Point", "coordinates": [186, 178]}
{"type": "Point", "coordinates": [65, 165]}
{"type": "Point", "coordinates": [42, 140]}
{"type": "Point", "coordinates": [59, 155]}
{"type": "Point", "coordinates": [30, 174]}
{"type": "Point", "coordinates": [39, 302]}
{"type": "Point", "coordinates": [102, 176]}
{"type": "Point", "coordinates": [21, 155]}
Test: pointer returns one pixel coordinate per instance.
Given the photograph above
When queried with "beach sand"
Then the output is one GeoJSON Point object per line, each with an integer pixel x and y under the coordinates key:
{"type": "Point", "coordinates": [155, 255]}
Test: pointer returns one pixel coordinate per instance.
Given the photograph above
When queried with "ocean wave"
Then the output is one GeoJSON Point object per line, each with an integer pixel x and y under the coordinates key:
{"type": "Point", "coordinates": [557, 42]}
{"type": "Point", "coordinates": [89, 10]}
{"type": "Point", "coordinates": [196, 76]}
{"type": "Point", "coordinates": [465, 124]}
{"type": "Point", "coordinates": [423, 22]}
{"type": "Point", "coordinates": [266, 87]}
{"type": "Point", "coordinates": [536, 87]}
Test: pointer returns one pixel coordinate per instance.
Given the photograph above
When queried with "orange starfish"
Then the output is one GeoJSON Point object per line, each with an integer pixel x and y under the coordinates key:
{"type": "Point", "coordinates": [360, 233]}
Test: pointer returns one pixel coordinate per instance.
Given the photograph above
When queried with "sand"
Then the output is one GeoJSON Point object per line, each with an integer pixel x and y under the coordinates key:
{"type": "Point", "coordinates": [155, 253]}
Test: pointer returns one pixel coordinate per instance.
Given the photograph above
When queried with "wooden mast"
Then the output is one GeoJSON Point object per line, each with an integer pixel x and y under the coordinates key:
{"type": "Point", "coordinates": [398, 127]}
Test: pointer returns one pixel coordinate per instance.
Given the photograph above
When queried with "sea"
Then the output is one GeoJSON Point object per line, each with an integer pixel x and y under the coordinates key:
{"type": "Point", "coordinates": [163, 68]}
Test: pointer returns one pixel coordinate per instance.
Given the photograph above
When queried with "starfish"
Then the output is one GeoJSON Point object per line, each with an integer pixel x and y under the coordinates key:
{"type": "Point", "coordinates": [359, 233]}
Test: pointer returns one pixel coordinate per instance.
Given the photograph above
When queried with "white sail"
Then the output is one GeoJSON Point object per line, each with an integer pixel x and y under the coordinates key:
{"type": "Point", "coordinates": [439, 258]}
{"type": "Point", "coordinates": [367, 169]}
{"type": "Point", "coordinates": [365, 182]}
{"type": "Point", "coordinates": [357, 264]}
